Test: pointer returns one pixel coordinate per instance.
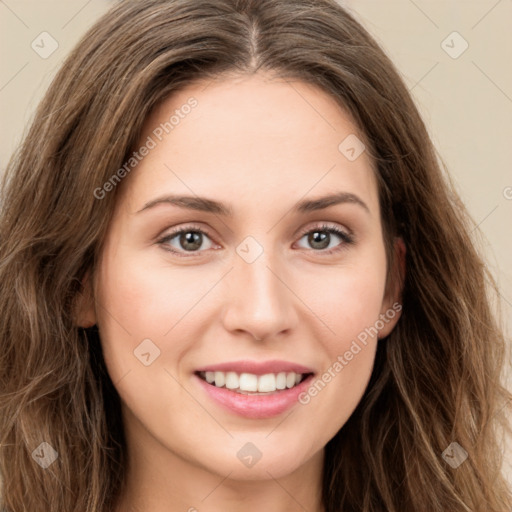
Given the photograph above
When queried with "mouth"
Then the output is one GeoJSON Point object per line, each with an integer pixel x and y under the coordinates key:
{"type": "Point", "coordinates": [252, 384]}
{"type": "Point", "coordinates": [254, 390]}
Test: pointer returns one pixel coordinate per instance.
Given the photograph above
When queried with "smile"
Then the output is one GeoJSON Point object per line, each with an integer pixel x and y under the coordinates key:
{"type": "Point", "coordinates": [252, 389]}
{"type": "Point", "coordinates": [250, 383]}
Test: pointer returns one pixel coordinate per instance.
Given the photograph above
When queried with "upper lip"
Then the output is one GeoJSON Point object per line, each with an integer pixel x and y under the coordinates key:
{"type": "Point", "coordinates": [256, 367]}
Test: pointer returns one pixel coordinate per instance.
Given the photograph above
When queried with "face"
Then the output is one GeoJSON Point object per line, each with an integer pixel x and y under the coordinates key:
{"type": "Point", "coordinates": [239, 325]}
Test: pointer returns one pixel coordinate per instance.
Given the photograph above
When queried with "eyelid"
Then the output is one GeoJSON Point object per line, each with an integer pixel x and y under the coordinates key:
{"type": "Point", "coordinates": [180, 229]}
{"type": "Point", "coordinates": [185, 227]}
{"type": "Point", "coordinates": [321, 225]}
{"type": "Point", "coordinates": [346, 235]}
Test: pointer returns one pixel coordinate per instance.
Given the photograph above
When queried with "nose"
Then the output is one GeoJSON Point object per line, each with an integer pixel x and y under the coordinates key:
{"type": "Point", "coordinates": [260, 300]}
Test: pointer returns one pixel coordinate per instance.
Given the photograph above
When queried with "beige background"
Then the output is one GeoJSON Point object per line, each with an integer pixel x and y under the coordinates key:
{"type": "Point", "coordinates": [466, 101]}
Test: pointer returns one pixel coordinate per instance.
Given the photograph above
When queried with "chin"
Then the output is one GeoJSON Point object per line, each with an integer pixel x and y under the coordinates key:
{"type": "Point", "coordinates": [253, 461]}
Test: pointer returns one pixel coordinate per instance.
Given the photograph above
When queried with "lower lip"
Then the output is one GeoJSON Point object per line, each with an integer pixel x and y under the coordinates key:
{"type": "Point", "coordinates": [255, 406]}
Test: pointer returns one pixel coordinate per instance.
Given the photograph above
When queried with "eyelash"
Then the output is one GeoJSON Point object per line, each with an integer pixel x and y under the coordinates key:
{"type": "Point", "coordinates": [346, 238]}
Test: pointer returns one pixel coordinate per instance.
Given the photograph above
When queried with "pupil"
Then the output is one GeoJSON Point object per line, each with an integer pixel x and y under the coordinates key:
{"type": "Point", "coordinates": [191, 240]}
{"type": "Point", "coordinates": [319, 237]}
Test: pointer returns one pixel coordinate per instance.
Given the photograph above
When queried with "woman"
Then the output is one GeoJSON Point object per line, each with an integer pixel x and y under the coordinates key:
{"type": "Point", "coordinates": [178, 335]}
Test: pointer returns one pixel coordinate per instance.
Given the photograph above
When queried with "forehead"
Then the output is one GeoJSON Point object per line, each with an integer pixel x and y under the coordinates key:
{"type": "Point", "coordinates": [249, 141]}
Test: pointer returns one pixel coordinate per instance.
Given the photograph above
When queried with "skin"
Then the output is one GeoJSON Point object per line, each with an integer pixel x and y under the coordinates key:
{"type": "Point", "coordinates": [260, 145]}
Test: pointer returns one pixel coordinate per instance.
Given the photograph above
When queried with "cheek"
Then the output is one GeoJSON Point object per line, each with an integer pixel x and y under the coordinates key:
{"type": "Point", "coordinates": [350, 302]}
{"type": "Point", "coordinates": [347, 300]}
{"type": "Point", "coordinates": [139, 300]}
{"type": "Point", "coordinates": [145, 298]}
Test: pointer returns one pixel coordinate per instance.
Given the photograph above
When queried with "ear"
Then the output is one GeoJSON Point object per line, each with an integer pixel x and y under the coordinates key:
{"type": "Point", "coordinates": [392, 302]}
{"type": "Point", "coordinates": [85, 312]}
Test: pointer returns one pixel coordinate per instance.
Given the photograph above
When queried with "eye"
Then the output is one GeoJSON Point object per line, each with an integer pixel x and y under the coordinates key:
{"type": "Point", "coordinates": [320, 238]}
{"type": "Point", "coordinates": [188, 239]}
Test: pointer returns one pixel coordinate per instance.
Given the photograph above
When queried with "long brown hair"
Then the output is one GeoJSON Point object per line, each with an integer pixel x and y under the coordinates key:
{"type": "Point", "coordinates": [437, 376]}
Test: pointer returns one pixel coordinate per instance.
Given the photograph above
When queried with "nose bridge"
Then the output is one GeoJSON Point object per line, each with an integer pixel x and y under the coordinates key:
{"type": "Point", "coordinates": [259, 302]}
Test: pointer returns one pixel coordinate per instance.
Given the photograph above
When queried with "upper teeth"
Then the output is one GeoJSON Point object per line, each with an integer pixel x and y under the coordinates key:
{"type": "Point", "coordinates": [251, 382]}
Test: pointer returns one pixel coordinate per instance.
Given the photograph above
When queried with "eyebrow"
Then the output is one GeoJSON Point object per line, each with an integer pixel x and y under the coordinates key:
{"type": "Point", "coordinates": [204, 204]}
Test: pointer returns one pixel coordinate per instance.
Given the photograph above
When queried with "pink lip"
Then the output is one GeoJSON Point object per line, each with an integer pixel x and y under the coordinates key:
{"type": "Point", "coordinates": [256, 367]}
{"type": "Point", "coordinates": [255, 406]}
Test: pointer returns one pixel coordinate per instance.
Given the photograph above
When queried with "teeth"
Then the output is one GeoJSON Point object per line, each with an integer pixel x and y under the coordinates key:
{"type": "Point", "coordinates": [266, 383]}
{"type": "Point", "coordinates": [281, 380]}
{"type": "Point", "coordinates": [232, 380]}
{"type": "Point", "coordinates": [220, 379]}
{"type": "Point", "coordinates": [250, 383]}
